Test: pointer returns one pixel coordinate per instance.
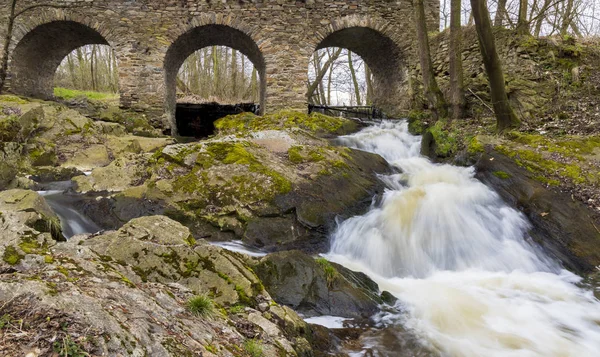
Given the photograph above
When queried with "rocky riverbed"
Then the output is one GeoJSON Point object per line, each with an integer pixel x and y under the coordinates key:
{"type": "Point", "coordinates": [151, 283]}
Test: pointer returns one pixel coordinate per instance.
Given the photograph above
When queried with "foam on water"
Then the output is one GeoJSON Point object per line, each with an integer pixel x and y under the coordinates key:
{"type": "Point", "coordinates": [460, 261]}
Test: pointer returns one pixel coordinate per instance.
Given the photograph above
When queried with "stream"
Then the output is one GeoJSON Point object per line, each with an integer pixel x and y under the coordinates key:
{"type": "Point", "coordinates": [72, 221]}
{"type": "Point", "coordinates": [468, 280]}
{"type": "Point", "coordinates": [459, 260]}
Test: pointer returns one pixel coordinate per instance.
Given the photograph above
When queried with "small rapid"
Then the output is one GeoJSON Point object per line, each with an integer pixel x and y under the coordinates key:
{"type": "Point", "coordinates": [468, 279]}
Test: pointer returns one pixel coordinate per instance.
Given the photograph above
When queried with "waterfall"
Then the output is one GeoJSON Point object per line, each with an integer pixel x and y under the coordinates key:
{"type": "Point", "coordinates": [468, 280]}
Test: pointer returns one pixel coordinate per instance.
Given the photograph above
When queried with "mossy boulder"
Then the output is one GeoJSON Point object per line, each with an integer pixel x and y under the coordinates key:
{"type": "Point", "coordinates": [162, 250]}
{"type": "Point", "coordinates": [315, 123]}
{"type": "Point", "coordinates": [317, 287]}
{"type": "Point", "coordinates": [276, 189]}
{"type": "Point", "coordinates": [565, 228]}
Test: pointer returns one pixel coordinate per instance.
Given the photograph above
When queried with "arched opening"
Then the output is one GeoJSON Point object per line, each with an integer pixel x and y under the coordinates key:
{"type": "Point", "coordinates": [357, 66]}
{"type": "Point", "coordinates": [207, 47]}
{"type": "Point", "coordinates": [38, 55]}
{"type": "Point", "coordinates": [89, 71]}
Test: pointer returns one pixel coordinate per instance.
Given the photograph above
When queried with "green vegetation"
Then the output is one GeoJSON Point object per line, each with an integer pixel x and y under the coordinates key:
{"type": "Point", "coordinates": [446, 142]}
{"type": "Point", "coordinates": [285, 119]}
{"type": "Point", "coordinates": [331, 273]}
{"type": "Point", "coordinates": [201, 305]}
{"type": "Point", "coordinates": [502, 175]}
{"type": "Point", "coordinates": [11, 255]}
{"type": "Point", "coordinates": [68, 348]}
{"type": "Point", "coordinates": [475, 146]}
{"type": "Point", "coordinates": [300, 154]}
{"type": "Point", "coordinates": [253, 348]}
{"type": "Point", "coordinates": [9, 98]}
{"type": "Point", "coordinates": [416, 124]}
{"type": "Point", "coordinates": [237, 309]}
{"type": "Point", "coordinates": [5, 321]}
{"type": "Point", "coordinates": [67, 94]}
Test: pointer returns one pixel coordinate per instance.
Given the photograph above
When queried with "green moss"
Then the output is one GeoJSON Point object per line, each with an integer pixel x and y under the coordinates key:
{"type": "Point", "coordinates": [295, 154]}
{"type": "Point", "coordinates": [331, 273]}
{"type": "Point", "coordinates": [475, 146]}
{"type": "Point", "coordinates": [11, 255]}
{"type": "Point", "coordinates": [190, 240]}
{"type": "Point", "coordinates": [502, 175]}
{"type": "Point", "coordinates": [543, 169]}
{"type": "Point", "coordinates": [12, 99]}
{"type": "Point", "coordinates": [10, 129]}
{"type": "Point", "coordinates": [316, 123]}
{"type": "Point", "coordinates": [243, 297]}
{"type": "Point", "coordinates": [48, 259]}
{"type": "Point", "coordinates": [65, 93]}
{"type": "Point", "coordinates": [237, 309]}
{"type": "Point", "coordinates": [446, 142]}
{"type": "Point", "coordinates": [300, 154]}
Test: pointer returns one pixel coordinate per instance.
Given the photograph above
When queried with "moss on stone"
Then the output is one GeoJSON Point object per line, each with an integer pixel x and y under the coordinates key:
{"type": "Point", "coordinates": [12, 99]}
{"type": "Point", "coordinates": [9, 129]}
{"type": "Point", "coordinates": [446, 142]}
{"type": "Point", "coordinates": [286, 119]}
{"type": "Point", "coordinates": [542, 168]}
{"type": "Point", "coordinates": [475, 146]}
{"type": "Point", "coordinates": [295, 154]}
{"type": "Point", "coordinates": [11, 256]}
{"type": "Point", "coordinates": [502, 175]}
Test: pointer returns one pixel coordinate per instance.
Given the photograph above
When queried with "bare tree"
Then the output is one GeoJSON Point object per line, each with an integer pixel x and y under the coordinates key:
{"type": "Point", "coordinates": [457, 93]}
{"type": "Point", "coordinates": [432, 90]}
{"type": "Point", "coordinates": [505, 116]}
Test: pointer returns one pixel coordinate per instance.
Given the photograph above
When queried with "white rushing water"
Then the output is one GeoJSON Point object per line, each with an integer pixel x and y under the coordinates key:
{"type": "Point", "coordinates": [457, 257]}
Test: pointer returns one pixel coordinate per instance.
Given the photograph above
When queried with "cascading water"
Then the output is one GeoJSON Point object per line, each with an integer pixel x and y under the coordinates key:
{"type": "Point", "coordinates": [468, 281]}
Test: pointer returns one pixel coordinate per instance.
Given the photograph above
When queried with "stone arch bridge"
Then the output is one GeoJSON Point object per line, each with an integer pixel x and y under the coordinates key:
{"type": "Point", "coordinates": [152, 38]}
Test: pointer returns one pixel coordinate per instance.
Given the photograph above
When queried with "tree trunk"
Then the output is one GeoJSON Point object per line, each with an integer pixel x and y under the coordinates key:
{"type": "Point", "coordinates": [5, 50]}
{"type": "Point", "coordinates": [354, 80]}
{"type": "Point", "coordinates": [369, 85]}
{"type": "Point", "coordinates": [567, 18]}
{"type": "Point", "coordinates": [500, 13]}
{"type": "Point", "coordinates": [321, 75]}
{"type": "Point", "coordinates": [432, 91]}
{"type": "Point", "coordinates": [457, 94]}
{"type": "Point", "coordinates": [92, 69]}
{"type": "Point", "coordinates": [505, 116]}
{"type": "Point", "coordinates": [540, 18]}
{"type": "Point", "coordinates": [234, 73]}
{"type": "Point", "coordinates": [522, 24]}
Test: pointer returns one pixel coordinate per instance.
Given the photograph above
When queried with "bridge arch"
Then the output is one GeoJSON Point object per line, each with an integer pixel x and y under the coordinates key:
{"type": "Point", "coordinates": [381, 46]}
{"type": "Point", "coordinates": [214, 33]}
{"type": "Point", "coordinates": [39, 51]}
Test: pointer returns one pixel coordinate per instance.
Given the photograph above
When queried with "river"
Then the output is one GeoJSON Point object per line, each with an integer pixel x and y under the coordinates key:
{"type": "Point", "coordinates": [468, 280]}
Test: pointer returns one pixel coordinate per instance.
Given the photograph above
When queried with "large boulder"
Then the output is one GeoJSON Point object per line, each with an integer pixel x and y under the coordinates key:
{"type": "Point", "coordinates": [565, 228]}
{"type": "Point", "coordinates": [128, 293]}
{"type": "Point", "coordinates": [317, 287]}
{"type": "Point", "coordinates": [274, 185]}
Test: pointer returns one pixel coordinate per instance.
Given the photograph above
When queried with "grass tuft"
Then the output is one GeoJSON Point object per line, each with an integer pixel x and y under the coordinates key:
{"type": "Point", "coordinates": [331, 273]}
{"type": "Point", "coordinates": [254, 348]}
{"type": "Point", "coordinates": [201, 305]}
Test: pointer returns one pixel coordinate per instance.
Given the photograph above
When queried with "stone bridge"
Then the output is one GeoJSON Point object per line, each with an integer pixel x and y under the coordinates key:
{"type": "Point", "coordinates": [152, 38]}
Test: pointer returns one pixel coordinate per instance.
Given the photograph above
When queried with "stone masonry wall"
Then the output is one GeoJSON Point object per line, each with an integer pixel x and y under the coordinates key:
{"type": "Point", "coordinates": [279, 36]}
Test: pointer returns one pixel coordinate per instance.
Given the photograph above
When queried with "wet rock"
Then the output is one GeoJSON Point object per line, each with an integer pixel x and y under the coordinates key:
{"type": "Point", "coordinates": [316, 287]}
{"type": "Point", "coordinates": [564, 227]}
